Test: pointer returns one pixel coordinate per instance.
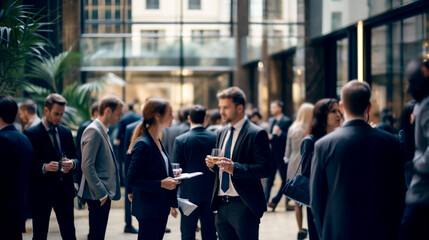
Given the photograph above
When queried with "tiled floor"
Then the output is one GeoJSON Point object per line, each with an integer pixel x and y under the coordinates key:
{"type": "Point", "coordinates": [279, 225]}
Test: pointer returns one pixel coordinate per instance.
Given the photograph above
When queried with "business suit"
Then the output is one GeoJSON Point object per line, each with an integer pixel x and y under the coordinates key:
{"type": "Point", "coordinates": [16, 155]}
{"type": "Point", "coordinates": [127, 159]}
{"type": "Point", "coordinates": [169, 135]}
{"type": "Point", "coordinates": [354, 166]}
{"type": "Point", "coordinates": [151, 203]}
{"type": "Point", "coordinates": [81, 129]}
{"type": "Point", "coordinates": [190, 150]}
{"type": "Point", "coordinates": [278, 147]}
{"type": "Point", "coordinates": [100, 177]}
{"type": "Point", "coordinates": [251, 157]}
{"type": "Point", "coordinates": [51, 189]}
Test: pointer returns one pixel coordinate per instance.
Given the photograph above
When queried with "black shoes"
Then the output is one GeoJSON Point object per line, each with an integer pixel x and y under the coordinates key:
{"type": "Point", "coordinates": [303, 234]}
{"type": "Point", "coordinates": [130, 229]}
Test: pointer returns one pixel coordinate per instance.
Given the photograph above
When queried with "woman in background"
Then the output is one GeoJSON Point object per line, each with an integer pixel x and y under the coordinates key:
{"type": "Point", "coordinates": [326, 118]}
{"type": "Point", "coordinates": [293, 153]}
{"type": "Point", "coordinates": [150, 175]}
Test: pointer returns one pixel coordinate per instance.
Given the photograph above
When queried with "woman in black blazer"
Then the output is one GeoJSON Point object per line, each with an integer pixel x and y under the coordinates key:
{"type": "Point", "coordinates": [326, 118]}
{"type": "Point", "coordinates": [150, 175]}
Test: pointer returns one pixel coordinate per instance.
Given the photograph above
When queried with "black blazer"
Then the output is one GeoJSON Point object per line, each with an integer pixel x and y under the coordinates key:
{"type": "Point", "coordinates": [190, 151]}
{"type": "Point", "coordinates": [357, 185]}
{"type": "Point", "coordinates": [278, 143]}
{"type": "Point", "coordinates": [41, 184]}
{"type": "Point", "coordinates": [251, 158]}
{"type": "Point", "coordinates": [16, 154]}
{"type": "Point", "coordinates": [146, 171]}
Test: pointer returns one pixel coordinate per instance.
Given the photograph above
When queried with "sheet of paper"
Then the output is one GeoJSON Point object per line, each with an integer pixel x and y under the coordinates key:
{"type": "Point", "coordinates": [186, 206]}
{"type": "Point", "coordinates": [188, 175]}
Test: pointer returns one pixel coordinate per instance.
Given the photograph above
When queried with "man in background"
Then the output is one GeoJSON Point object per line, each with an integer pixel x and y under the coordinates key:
{"type": "Point", "coordinates": [28, 113]}
{"type": "Point", "coordinates": [190, 150]}
{"type": "Point", "coordinates": [16, 155]}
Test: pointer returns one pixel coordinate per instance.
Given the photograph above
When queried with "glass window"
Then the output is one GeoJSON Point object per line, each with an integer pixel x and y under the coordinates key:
{"type": "Point", "coordinates": [129, 14]}
{"type": "Point", "coordinates": [108, 14]}
{"type": "Point", "coordinates": [85, 15]}
{"type": "Point", "coordinates": [94, 14]}
{"type": "Point", "coordinates": [94, 2]}
{"type": "Point", "coordinates": [393, 46]}
{"type": "Point", "coordinates": [152, 4]}
{"type": "Point", "coordinates": [86, 3]}
{"type": "Point", "coordinates": [117, 14]}
{"type": "Point", "coordinates": [194, 4]}
{"type": "Point", "coordinates": [336, 20]}
{"type": "Point", "coordinates": [342, 64]}
{"type": "Point", "coordinates": [108, 2]}
{"type": "Point", "coordinates": [118, 2]}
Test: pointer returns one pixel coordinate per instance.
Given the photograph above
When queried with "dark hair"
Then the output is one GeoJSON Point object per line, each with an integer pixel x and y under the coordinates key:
{"type": "Point", "coordinates": [94, 108]}
{"type": "Point", "coordinates": [418, 85]}
{"type": "Point", "coordinates": [111, 102]}
{"type": "Point", "coordinates": [8, 109]}
{"type": "Point", "coordinates": [319, 122]}
{"type": "Point", "coordinates": [408, 130]}
{"type": "Point", "coordinates": [235, 94]}
{"type": "Point", "coordinates": [54, 98]}
{"type": "Point", "coordinates": [214, 116]}
{"type": "Point", "coordinates": [355, 97]}
{"type": "Point", "coordinates": [197, 114]}
{"type": "Point", "coordinates": [278, 103]}
{"type": "Point", "coordinates": [30, 106]}
{"type": "Point", "coordinates": [255, 112]}
{"type": "Point", "coordinates": [151, 108]}
{"type": "Point", "coordinates": [183, 114]}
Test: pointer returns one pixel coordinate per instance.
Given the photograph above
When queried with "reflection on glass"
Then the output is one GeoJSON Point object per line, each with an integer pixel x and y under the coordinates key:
{"type": "Point", "coordinates": [342, 64]}
{"type": "Point", "coordinates": [393, 46]}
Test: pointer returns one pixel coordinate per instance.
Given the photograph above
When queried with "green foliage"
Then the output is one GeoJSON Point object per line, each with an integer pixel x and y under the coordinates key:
{"type": "Point", "coordinates": [20, 40]}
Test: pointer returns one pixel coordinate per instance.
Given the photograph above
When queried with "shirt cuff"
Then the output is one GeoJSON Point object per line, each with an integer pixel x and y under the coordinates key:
{"type": "Point", "coordinates": [43, 168]}
{"type": "Point", "coordinates": [101, 199]}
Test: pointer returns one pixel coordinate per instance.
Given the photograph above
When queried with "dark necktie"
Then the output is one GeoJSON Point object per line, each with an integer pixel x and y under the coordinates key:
{"type": "Point", "coordinates": [57, 150]}
{"type": "Point", "coordinates": [225, 176]}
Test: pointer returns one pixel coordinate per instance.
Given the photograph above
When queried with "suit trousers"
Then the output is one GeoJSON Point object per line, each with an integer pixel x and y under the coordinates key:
{"type": "Point", "coordinates": [152, 229]}
{"type": "Point", "coordinates": [312, 231]}
{"type": "Point", "coordinates": [98, 217]}
{"type": "Point", "coordinates": [235, 221]}
{"type": "Point", "coordinates": [188, 224]}
{"type": "Point", "coordinates": [282, 168]}
{"type": "Point", "coordinates": [127, 208]}
{"type": "Point", "coordinates": [414, 222]}
{"type": "Point", "coordinates": [63, 207]}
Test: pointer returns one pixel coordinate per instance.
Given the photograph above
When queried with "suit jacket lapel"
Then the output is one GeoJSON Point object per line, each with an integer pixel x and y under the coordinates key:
{"type": "Point", "coordinates": [46, 138]}
{"type": "Point", "coordinates": [222, 137]}
{"type": "Point", "coordinates": [155, 148]}
{"type": "Point", "coordinates": [100, 128]}
{"type": "Point", "coordinates": [240, 138]}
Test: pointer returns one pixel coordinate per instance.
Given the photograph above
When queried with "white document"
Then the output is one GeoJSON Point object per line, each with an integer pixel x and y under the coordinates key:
{"type": "Point", "coordinates": [186, 206]}
{"type": "Point", "coordinates": [188, 175]}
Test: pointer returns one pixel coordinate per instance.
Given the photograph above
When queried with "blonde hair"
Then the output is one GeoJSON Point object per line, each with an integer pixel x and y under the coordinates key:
{"type": "Point", "coordinates": [138, 132]}
{"type": "Point", "coordinates": [304, 116]}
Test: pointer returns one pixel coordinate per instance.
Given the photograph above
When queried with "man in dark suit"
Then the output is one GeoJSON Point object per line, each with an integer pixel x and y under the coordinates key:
{"type": "Point", "coordinates": [127, 141]}
{"type": "Point", "coordinates": [353, 166]}
{"type": "Point", "coordinates": [238, 192]}
{"type": "Point", "coordinates": [51, 180]}
{"type": "Point", "coordinates": [16, 154]}
{"type": "Point", "coordinates": [169, 134]}
{"type": "Point", "coordinates": [190, 150]}
{"type": "Point", "coordinates": [118, 143]}
{"type": "Point", "coordinates": [279, 126]}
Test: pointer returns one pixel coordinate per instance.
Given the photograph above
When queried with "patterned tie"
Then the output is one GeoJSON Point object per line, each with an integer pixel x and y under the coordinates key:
{"type": "Point", "coordinates": [225, 176]}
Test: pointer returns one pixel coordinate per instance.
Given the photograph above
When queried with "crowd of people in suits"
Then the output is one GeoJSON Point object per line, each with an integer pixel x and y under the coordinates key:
{"type": "Point", "coordinates": [365, 182]}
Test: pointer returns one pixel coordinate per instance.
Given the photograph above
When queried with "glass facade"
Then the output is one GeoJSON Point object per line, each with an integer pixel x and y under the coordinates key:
{"type": "Point", "coordinates": [393, 46]}
{"type": "Point", "coordinates": [332, 15]}
{"type": "Point", "coordinates": [185, 48]}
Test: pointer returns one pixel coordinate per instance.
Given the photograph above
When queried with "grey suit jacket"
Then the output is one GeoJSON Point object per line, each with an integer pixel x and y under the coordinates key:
{"type": "Point", "coordinates": [100, 171]}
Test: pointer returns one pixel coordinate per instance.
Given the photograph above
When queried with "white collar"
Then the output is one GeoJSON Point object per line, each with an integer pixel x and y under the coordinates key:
{"type": "Point", "coordinates": [238, 125]}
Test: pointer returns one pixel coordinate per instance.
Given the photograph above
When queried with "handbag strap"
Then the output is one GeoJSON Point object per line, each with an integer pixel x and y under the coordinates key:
{"type": "Point", "coordinates": [300, 163]}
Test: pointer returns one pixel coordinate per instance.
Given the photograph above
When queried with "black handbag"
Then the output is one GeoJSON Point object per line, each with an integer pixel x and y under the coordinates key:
{"type": "Point", "coordinates": [298, 189]}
